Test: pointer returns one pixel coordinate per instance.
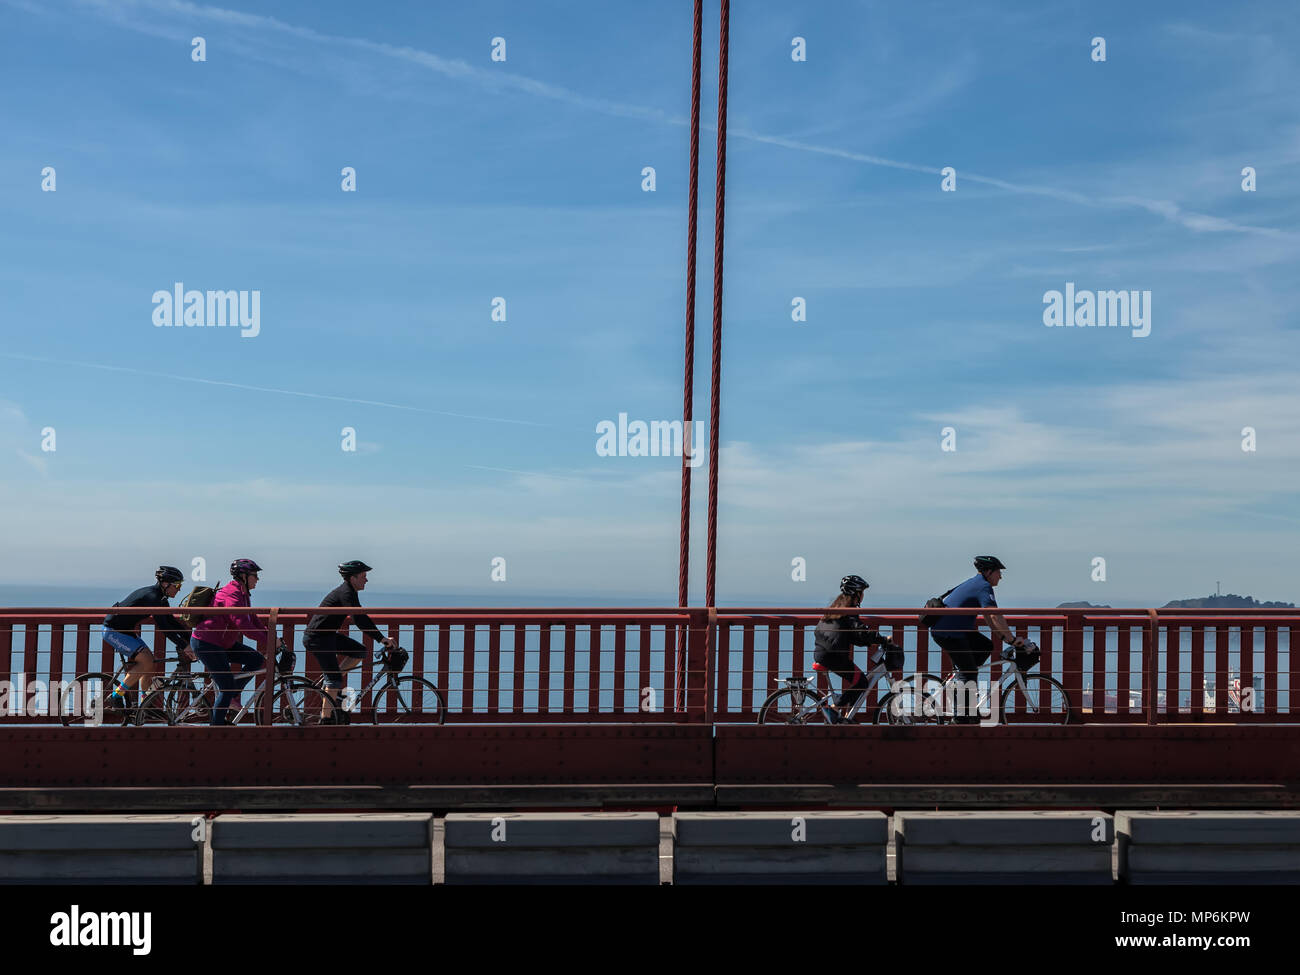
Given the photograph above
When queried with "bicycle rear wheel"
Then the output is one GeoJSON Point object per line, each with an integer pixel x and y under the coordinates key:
{"type": "Point", "coordinates": [791, 706]}
{"type": "Point", "coordinates": [1042, 700]}
{"type": "Point", "coordinates": [915, 699]}
{"type": "Point", "coordinates": [84, 702]}
{"type": "Point", "coordinates": [297, 702]}
{"type": "Point", "coordinates": [406, 700]}
{"type": "Point", "coordinates": [153, 707]}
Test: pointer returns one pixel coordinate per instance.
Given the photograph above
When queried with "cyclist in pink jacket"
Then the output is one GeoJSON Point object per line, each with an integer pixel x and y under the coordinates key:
{"type": "Point", "coordinates": [216, 638]}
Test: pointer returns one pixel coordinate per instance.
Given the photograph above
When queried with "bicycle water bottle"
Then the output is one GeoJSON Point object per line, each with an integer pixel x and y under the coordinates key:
{"type": "Point", "coordinates": [349, 699]}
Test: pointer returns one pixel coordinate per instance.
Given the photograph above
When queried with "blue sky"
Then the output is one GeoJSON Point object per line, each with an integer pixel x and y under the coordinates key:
{"type": "Point", "coordinates": [522, 179]}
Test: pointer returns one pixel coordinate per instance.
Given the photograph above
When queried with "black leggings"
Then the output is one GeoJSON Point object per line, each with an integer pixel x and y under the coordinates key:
{"type": "Point", "coordinates": [220, 665]}
{"type": "Point", "coordinates": [967, 649]}
{"type": "Point", "coordinates": [843, 667]}
{"type": "Point", "coordinates": [327, 648]}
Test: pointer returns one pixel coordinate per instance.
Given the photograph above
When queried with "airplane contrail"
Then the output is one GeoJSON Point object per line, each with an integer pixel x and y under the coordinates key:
{"type": "Point", "coordinates": [497, 80]}
{"type": "Point", "coordinates": [272, 389]}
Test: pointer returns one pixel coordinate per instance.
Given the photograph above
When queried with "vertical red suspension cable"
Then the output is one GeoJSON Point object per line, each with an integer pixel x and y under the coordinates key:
{"type": "Point", "coordinates": [688, 393]}
{"type": "Point", "coordinates": [689, 385]}
{"type": "Point", "coordinates": [714, 396]}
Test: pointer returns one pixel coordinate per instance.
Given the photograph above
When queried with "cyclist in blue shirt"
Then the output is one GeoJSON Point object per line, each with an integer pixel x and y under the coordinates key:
{"type": "Point", "coordinates": [959, 636]}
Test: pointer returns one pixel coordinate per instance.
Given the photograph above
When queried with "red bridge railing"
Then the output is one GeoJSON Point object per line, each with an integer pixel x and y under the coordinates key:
{"type": "Point", "coordinates": [1117, 665]}
{"type": "Point", "coordinates": [500, 665]}
{"type": "Point", "coordinates": [699, 665]}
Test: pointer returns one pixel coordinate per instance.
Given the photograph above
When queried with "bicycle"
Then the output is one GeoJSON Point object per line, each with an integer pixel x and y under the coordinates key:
{"type": "Point", "coordinates": [85, 700]}
{"type": "Point", "coordinates": [797, 704]}
{"type": "Point", "coordinates": [305, 700]}
{"type": "Point", "coordinates": [1019, 692]}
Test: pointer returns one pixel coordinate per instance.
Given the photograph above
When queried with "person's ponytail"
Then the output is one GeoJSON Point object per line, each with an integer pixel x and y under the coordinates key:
{"type": "Point", "coordinates": [841, 600]}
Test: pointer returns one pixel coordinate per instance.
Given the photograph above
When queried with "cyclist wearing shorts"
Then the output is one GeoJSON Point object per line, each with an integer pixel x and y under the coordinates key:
{"type": "Point", "coordinates": [959, 637]}
{"type": "Point", "coordinates": [335, 652]}
{"type": "Point", "coordinates": [835, 637]}
{"type": "Point", "coordinates": [122, 633]}
{"type": "Point", "coordinates": [216, 638]}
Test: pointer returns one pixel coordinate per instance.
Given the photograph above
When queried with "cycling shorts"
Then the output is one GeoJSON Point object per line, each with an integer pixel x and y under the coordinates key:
{"type": "Point", "coordinates": [126, 644]}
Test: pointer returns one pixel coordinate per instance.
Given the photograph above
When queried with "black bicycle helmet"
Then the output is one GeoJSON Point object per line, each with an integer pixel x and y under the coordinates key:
{"type": "Point", "coordinates": [986, 563]}
{"type": "Point", "coordinates": [169, 573]}
{"type": "Point", "coordinates": [240, 567]}
{"type": "Point", "coordinates": [352, 568]}
{"type": "Point", "coordinates": [852, 585]}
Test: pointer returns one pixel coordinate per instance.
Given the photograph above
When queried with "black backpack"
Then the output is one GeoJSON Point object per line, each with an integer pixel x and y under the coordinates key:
{"type": "Point", "coordinates": [936, 602]}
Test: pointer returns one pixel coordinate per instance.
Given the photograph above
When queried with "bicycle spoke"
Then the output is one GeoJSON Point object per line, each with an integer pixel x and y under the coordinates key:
{"type": "Point", "coordinates": [793, 705]}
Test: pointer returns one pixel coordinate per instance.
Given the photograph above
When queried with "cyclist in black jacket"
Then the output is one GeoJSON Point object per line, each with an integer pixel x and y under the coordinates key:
{"type": "Point", "coordinates": [835, 637]}
{"type": "Point", "coordinates": [122, 633]}
{"type": "Point", "coordinates": [335, 652]}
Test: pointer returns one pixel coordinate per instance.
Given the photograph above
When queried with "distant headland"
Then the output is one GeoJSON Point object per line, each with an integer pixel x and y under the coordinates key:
{"type": "Point", "coordinates": [1226, 601]}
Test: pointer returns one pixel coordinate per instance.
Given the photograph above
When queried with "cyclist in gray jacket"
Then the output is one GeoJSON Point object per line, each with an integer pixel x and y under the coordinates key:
{"type": "Point", "coordinates": [835, 637]}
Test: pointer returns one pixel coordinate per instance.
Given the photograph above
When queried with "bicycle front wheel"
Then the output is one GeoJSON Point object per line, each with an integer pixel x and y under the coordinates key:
{"type": "Point", "coordinates": [405, 700]}
{"type": "Point", "coordinates": [1034, 699]}
{"type": "Point", "coordinates": [791, 706]}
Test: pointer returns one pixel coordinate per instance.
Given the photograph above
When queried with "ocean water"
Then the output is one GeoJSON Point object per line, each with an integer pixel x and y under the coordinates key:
{"type": "Point", "coordinates": [266, 595]}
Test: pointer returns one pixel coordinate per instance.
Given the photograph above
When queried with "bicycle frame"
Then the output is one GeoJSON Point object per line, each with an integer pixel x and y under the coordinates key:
{"type": "Point", "coordinates": [387, 676]}
{"type": "Point", "coordinates": [1011, 674]}
{"type": "Point", "coordinates": [873, 676]}
{"type": "Point", "coordinates": [208, 690]}
{"type": "Point", "coordinates": [1012, 677]}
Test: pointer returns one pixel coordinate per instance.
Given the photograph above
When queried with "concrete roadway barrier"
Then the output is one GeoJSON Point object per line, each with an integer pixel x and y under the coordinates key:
{"type": "Point", "coordinates": [100, 850]}
{"type": "Point", "coordinates": [780, 847]}
{"type": "Point", "coordinates": [1219, 847]}
{"type": "Point", "coordinates": [551, 848]}
{"type": "Point", "coordinates": [322, 848]}
{"type": "Point", "coordinates": [1009, 847]}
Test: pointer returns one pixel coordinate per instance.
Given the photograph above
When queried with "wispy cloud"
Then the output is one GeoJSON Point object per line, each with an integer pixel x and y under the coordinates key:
{"type": "Point", "coordinates": [16, 433]}
{"type": "Point", "coordinates": [453, 68]}
{"type": "Point", "coordinates": [39, 464]}
{"type": "Point", "coordinates": [1050, 493]}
